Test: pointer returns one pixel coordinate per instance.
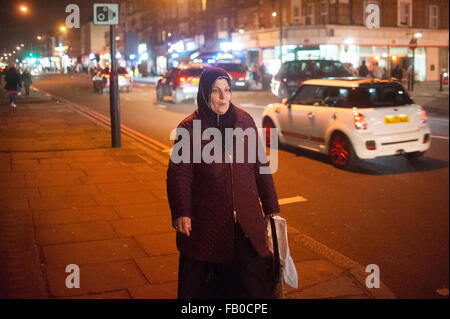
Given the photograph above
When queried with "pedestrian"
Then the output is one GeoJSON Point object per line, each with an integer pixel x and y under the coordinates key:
{"type": "Point", "coordinates": [397, 72]}
{"type": "Point", "coordinates": [215, 207]}
{"type": "Point", "coordinates": [363, 70]}
{"type": "Point", "coordinates": [255, 74]}
{"type": "Point", "coordinates": [377, 71]}
{"type": "Point", "coordinates": [12, 79]}
{"type": "Point", "coordinates": [26, 78]}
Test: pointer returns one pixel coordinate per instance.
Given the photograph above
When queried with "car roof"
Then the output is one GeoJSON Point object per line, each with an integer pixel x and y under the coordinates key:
{"type": "Point", "coordinates": [194, 66]}
{"type": "Point", "coordinates": [345, 81]}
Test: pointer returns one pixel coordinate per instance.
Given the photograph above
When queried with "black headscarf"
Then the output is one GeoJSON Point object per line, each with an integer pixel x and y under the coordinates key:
{"type": "Point", "coordinates": [207, 79]}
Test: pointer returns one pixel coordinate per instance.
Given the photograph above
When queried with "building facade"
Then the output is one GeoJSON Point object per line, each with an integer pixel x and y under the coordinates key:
{"type": "Point", "coordinates": [174, 32]}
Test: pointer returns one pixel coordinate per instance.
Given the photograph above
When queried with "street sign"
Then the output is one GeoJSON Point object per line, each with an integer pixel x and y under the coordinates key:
{"type": "Point", "coordinates": [413, 44]}
{"type": "Point", "coordinates": [106, 13]}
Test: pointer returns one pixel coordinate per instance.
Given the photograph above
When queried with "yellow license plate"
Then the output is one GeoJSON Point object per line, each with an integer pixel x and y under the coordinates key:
{"type": "Point", "coordinates": [396, 119]}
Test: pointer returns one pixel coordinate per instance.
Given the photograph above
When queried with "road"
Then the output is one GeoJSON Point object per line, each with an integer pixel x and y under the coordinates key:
{"type": "Point", "coordinates": [390, 211]}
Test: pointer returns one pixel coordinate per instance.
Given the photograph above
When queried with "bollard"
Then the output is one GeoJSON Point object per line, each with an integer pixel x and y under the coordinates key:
{"type": "Point", "coordinates": [441, 76]}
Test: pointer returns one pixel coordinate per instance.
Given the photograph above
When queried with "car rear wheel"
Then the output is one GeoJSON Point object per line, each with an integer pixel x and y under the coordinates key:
{"type": "Point", "coordinates": [342, 154]}
{"type": "Point", "coordinates": [271, 135]}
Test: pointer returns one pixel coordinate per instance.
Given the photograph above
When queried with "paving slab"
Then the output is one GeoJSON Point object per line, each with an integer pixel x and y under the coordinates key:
{"type": "Point", "coordinates": [143, 225]}
{"type": "Point", "coordinates": [158, 244]}
{"type": "Point", "coordinates": [341, 287]}
{"type": "Point", "coordinates": [166, 290]}
{"type": "Point", "coordinates": [60, 234]}
{"type": "Point", "coordinates": [159, 269]}
{"type": "Point", "coordinates": [101, 251]}
{"type": "Point", "coordinates": [74, 215]}
{"type": "Point", "coordinates": [158, 208]}
{"type": "Point", "coordinates": [98, 277]}
{"type": "Point", "coordinates": [62, 202]}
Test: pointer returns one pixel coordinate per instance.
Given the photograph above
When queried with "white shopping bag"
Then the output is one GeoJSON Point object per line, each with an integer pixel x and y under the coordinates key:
{"type": "Point", "coordinates": [289, 272]}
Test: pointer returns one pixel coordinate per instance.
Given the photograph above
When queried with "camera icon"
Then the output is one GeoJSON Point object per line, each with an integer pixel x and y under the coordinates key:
{"type": "Point", "coordinates": [104, 14]}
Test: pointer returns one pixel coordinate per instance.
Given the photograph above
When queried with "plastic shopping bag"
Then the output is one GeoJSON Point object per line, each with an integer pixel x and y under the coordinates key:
{"type": "Point", "coordinates": [288, 270]}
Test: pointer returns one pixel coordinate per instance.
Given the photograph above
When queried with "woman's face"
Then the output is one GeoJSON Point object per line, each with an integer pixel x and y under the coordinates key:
{"type": "Point", "coordinates": [220, 96]}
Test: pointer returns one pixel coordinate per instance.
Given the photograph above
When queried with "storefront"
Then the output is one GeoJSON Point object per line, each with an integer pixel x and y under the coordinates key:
{"type": "Point", "coordinates": [350, 44]}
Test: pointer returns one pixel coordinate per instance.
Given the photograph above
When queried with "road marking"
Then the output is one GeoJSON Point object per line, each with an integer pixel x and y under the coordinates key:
{"type": "Point", "coordinates": [440, 137]}
{"type": "Point", "coordinates": [161, 106]}
{"type": "Point", "coordinates": [291, 200]}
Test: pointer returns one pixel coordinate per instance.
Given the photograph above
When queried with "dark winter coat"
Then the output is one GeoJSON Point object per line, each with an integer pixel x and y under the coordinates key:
{"type": "Point", "coordinates": [211, 194]}
{"type": "Point", "coordinates": [26, 77]}
{"type": "Point", "coordinates": [12, 79]}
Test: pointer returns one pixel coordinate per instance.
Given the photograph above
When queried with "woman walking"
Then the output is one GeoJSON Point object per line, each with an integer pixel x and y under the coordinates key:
{"type": "Point", "coordinates": [26, 77]}
{"type": "Point", "coordinates": [12, 79]}
{"type": "Point", "coordinates": [216, 206]}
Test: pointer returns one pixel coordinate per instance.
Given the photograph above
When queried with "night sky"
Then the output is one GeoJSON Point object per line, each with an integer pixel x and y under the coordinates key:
{"type": "Point", "coordinates": [43, 17]}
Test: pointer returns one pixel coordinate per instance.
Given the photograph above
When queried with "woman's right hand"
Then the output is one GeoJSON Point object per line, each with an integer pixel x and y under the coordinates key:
{"type": "Point", "coordinates": [183, 225]}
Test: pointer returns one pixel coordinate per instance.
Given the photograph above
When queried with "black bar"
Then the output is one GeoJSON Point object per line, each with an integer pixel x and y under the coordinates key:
{"type": "Point", "coordinates": [114, 102]}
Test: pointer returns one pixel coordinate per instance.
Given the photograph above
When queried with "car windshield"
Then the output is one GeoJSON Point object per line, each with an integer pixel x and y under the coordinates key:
{"type": "Point", "coordinates": [191, 72]}
{"type": "Point", "coordinates": [379, 96]}
{"type": "Point", "coordinates": [233, 67]}
{"type": "Point", "coordinates": [365, 96]}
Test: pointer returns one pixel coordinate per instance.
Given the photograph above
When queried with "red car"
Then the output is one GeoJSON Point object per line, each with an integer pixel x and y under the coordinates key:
{"type": "Point", "coordinates": [101, 80]}
{"type": "Point", "coordinates": [238, 73]}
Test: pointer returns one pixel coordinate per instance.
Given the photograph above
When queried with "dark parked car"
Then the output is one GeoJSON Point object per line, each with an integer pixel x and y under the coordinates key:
{"type": "Point", "coordinates": [100, 81]}
{"type": "Point", "coordinates": [238, 73]}
{"type": "Point", "coordinates": [180, 83]}
{"type": "Point", "coordinates": [293, 73]}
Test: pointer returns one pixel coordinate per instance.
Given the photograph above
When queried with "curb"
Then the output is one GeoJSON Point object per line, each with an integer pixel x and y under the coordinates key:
{"type": "Point", "coordinates": [158, 152]}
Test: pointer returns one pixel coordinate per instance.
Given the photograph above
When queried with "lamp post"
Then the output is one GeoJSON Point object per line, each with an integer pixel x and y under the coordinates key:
{"type": "Point", "coordinates": [413, 46]}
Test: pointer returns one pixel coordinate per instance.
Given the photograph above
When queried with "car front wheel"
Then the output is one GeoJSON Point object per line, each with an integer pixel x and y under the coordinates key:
{"type": "Point", "coordinates": [342, 154]}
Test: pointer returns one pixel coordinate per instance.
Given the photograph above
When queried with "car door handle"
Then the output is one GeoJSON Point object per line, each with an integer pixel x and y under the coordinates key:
{"type": "Point", "coordinates": [311, 115]}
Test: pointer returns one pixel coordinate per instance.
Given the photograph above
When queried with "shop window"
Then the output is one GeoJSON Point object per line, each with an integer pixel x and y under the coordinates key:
{"type": "Point", "coordinates": [404, 13]}
{"type": "Point", "coordinates": [433, 17]}
{"type": "Point", "coordinates": [295, 11]}
{"type": "Point", "coordinates": [324, 9]}
{"type": "Point", "coordinates": [310, 7]}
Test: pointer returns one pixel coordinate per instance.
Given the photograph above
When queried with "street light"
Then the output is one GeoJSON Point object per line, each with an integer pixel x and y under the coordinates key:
{"type": "Point", "coordinates": [39, 37]}
{"type": "Point", "coordinates": [23, 9]}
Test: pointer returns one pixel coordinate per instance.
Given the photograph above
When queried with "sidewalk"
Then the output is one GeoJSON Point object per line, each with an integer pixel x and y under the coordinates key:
{"type": "Point", "coordinates": [66, 197]}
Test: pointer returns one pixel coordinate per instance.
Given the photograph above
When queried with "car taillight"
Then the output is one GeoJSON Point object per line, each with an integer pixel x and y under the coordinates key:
{"type": "Point", "coordinates": [181, 79]}
{"type": "Point", "coordinates": [423, 116]}
{"type": "Point", "coordinates": [360, 121]}
{"type": "Point", "coordinates": [106, 75]}
{"type": "Point", "coordinates": [195, 80]}
{"type": "Point", "coordinates": [127, 75]}
{"type": "Point", "coordinates": [426, 138]}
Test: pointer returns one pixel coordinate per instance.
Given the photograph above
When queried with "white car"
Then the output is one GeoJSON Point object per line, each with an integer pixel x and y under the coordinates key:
{"type": "Point", "coordinates": [350, 119]}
